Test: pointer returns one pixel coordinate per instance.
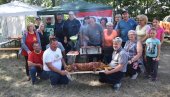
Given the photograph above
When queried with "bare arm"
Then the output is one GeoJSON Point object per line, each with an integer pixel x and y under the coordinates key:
{"type": "Point", "coordinates": [63, 62]}
{"type": "Point", "coordinates": [159, 50]}
{"type": "Point", "coordinates": [34, 64]}
{"type": "Point", "coordinates": [139, 52]}
{"type": "Point", "coordinates": [52, 68]}
{"type": "Point", "coordinates": [118, 68]}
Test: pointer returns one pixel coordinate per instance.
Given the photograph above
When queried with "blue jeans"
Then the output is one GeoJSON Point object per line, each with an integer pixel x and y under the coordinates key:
{"type": "Point", "coordinates": [56, 78]}
{"type": "Point", "coordinates": [113, 78]}
{"type": "Point", "coordinates": [33, 70]}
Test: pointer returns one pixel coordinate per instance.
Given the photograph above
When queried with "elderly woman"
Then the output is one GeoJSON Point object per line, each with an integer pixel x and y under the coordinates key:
{"type": "Point", "coordinates": [27, 41]}
{"type": "Point", "coordinates": [134, 51]}
{"type": "Point", "coordinates": [142, 28]}
{"type": "Point", "coordinates": [108, 35]}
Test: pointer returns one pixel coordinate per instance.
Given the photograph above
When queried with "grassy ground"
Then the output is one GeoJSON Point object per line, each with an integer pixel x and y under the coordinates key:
{"type": "Point", "coordinates": [12, 82]}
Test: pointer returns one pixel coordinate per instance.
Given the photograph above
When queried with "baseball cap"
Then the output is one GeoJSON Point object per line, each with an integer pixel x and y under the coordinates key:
{"type": "Point", "coordinates": [37, 18]}
{"type": "Point", "coordinates": [124, 11]}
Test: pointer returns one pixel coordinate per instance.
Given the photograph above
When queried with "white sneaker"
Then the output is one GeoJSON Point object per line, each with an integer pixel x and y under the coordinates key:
{"type": "Point", "coordinates": [134, 76]}
{"type": "Point", "coordinates": [117, 86]}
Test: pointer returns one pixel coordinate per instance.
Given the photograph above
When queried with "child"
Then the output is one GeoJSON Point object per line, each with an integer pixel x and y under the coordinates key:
{"type": "Point", "coordinates": [153, 46]}
{"type": "Point", "coordinates": [160, 31]}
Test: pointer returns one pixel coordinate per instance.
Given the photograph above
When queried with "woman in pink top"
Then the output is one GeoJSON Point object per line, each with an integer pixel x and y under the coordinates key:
{"type": "Point", "coordinates": [108, 35]}
{"type": "Point", "coordinates": [160, 31]}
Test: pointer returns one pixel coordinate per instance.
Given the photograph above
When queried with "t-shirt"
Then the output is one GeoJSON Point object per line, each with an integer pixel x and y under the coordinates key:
{"type": "Point", "coordinates": [160, 32]}
{"type": "Point", "coordinates": [152, 47]}
{"type": "Point", "coordinates": [35, 57]}
{"type": "Point", "coordinates": [119, 57]}
{"type": "Point", "coordinates": [49, 30]}
{"type": "Point", "coordinates": [141, 32]}
{"type": "Point", "coordinates": [54, 57]}
{"type": "Point", "coordinates": [30, 39]}
{"type": "Point", "coordinates": [124, 27]}
{"type": "Point", "coordinates": [109, 38]}
{"type": "Point", "coordinates": [94, 33]}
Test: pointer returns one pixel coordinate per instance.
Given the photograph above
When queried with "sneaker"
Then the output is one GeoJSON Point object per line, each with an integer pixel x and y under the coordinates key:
{"type": "Point", "coordinates": [134, 76]}
{"type": "Point", "coordinates": [117, 86]}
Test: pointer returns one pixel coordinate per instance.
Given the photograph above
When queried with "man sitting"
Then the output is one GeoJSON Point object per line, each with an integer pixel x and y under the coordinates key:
{"type": "Point", "coordinates": [52, 64]}
{"type": "Point", "coordinates": [119, 63]}
{"type": "Point", "coordinates": [35, 62]}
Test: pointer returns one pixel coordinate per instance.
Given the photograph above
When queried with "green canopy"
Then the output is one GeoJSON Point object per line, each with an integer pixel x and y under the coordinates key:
{"type": "Point", "coordinates": [77, 6]}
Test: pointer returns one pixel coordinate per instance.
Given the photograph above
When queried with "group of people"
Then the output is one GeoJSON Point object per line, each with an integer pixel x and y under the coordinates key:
{"type": "Point", "coordinates": [128, 46]}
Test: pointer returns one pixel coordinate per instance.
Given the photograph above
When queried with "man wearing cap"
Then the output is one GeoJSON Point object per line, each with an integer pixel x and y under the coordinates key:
{"type": "Point", "coordinates": [49, 29]}
{"type": "Point", "coordinates": [119, 63]}
{"type": "Point", "coordinates": [71, 27]}
{"type": "Point", "coordinates": [125, 25]}
{"type": "Point", "coordinates": [37, 22]}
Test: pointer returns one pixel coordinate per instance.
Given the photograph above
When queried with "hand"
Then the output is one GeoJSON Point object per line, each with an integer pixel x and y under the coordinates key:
{"type": "Point", "coordinates": [41, 66]}
{"type": "Point", "coordinates": [107, 71]}
{"type": "Point", "coordinates": [65, 39]}
{"type": "Point", "coordinates": [157, 59]}
{"type": "Point", "coordinates": [63, 72]}
{"type": "Point", "coordinates": [129, 62]}
{"type": "Point", "coordinates": [28, 52]}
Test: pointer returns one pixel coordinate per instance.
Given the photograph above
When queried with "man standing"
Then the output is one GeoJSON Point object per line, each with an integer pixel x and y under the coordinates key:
{"type": "Point", "coordinates": [119, 63]}
{"type": "Point", "coordinates": [37, 22]}
{"type": "Point", "coordinates": [35, 62]}
{"type": "Point", "coordinates": [94, 33]}
{"type": "Point", "coordinates": [52, 64]}
{"type": "Point", "coordinates": [125, 25]}
{"type": "Point", "coordinates": [49, 29]}
{"type": "Point", "coordinates": [71, 27]}
{"type": "Point", "coordinates": [58, 30]}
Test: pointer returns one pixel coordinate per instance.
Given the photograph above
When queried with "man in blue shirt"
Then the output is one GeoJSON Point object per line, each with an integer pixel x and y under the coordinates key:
{"type": "Point", "coordinates": [125, 25]}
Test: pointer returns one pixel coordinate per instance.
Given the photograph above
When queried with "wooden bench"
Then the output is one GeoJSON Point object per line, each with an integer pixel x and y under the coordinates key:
{"type": "Point", "coordinates": [3, 44]}
{"type": "Point", "coordinates": [11, 49]}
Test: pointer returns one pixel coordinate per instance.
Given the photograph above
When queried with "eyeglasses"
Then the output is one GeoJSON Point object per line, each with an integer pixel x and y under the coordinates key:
{"type": "Point", "coordinates": [140, 20]}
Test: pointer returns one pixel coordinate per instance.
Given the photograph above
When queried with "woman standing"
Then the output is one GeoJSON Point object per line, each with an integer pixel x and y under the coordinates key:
{"type": "Point", "coordinates": [134, 51]}
{"type": "Point", "coordinates": [27, 41]}
{"type": "Point", "coordinates": [117, 18]}
{"type": "Point", "coordinates": [142, 28]}
{"type": "Point", "coordinates": [103, 22]}
{"type": "Point", "coordinates": [42, 37]}
{"type": "Point", "coordinates": [108, 35]}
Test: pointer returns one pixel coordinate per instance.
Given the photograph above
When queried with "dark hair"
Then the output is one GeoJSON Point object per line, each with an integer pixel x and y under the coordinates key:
{"type": "Point", "coordinates": [35, 43]}
{"type": "Point", "coordinates": [93, 18]}
{"type": "Point", "coordinates": [156, 18]}
{"type": "Point", "coordinates": [85, 18]}
{"type": "Point", "coordinates": [52, 40]}
{"type": "Point", "coordinates": [105, 19]}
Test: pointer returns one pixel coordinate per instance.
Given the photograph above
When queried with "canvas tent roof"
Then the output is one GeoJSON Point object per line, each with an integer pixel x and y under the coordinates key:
{"type": "Point", "coordinates": [76, 6]}
{"type": "Point", "coordinates": [17, 8]}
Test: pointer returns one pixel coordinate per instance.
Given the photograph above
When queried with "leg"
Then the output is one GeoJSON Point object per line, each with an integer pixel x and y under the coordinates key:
{"type": "Point", "coordinates": [54, 77]}
{"type": "Point", "coordinates": [33, 71]}
{"type": "Point", "coordinates": [63, 80]}
{"type": "Point", "coordinates": [154, 69]}
{"type": "Point", "coordinates": [148, 66]}
{"type": "Point", "coordinates": [26, 65]}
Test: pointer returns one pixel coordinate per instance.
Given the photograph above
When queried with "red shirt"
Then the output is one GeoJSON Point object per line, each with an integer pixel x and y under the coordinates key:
{"type": "Point", "coordinates": [30, 39]}
{"type": "Point", "coordinates": [36, 57]}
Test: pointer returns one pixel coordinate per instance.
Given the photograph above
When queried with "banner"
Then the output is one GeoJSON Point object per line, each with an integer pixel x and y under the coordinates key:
{"type": "Point", "coordinates": [97, 14]}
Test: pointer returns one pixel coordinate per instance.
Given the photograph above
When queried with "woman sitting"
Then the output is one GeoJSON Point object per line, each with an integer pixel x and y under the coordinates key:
{"type": "Point", "coordinates": [134, 51]}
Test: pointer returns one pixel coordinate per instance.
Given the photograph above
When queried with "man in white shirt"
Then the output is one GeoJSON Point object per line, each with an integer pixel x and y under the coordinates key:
{"type": "Point", "coordinates": [52, 64]}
